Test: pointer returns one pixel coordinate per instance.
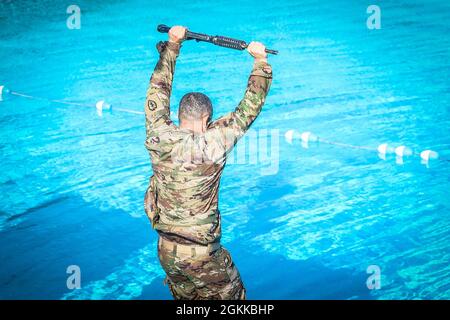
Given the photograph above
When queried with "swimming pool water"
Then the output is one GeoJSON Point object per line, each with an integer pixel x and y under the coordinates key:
{"type": "Point", "coordinates": [72, 183]}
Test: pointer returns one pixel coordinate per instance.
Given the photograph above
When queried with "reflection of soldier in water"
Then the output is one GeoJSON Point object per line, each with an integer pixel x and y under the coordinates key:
{"type": "Point", "coordinates": [182, 199]}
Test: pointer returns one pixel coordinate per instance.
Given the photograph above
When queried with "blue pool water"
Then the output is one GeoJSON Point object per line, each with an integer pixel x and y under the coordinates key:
{"type": "Point", "coordinates": [72, 183]}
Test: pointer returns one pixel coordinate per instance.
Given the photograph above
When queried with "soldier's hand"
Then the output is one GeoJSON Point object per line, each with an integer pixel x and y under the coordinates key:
{"type": "Point", "coordinates": [177, 34]}
{"type": "Point", "coordinates": [257, 50]}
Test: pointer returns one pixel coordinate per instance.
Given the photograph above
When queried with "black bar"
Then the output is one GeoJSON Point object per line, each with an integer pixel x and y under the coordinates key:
{"type": "Point", "coordinates": [217, 40]}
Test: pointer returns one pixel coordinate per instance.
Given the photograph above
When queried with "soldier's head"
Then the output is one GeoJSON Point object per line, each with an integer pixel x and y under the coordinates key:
{"type": "Point", "coordinates": [195, 112]}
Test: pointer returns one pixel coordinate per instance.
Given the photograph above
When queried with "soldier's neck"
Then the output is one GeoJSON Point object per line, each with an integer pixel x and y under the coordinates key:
{"type": "Point", "coordinates": [195, 126]}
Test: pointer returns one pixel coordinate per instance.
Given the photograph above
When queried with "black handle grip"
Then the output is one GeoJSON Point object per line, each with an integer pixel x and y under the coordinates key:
{"type": "Point", "coordinates": [272, 51]}
{"type": "Point", "coordinates": [163, 28]}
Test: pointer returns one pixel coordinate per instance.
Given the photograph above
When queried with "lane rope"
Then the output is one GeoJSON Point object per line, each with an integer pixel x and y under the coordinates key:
{"type": "Point", "coordinates": [100, 105]}
{"type": "Point", "coordinates": [383, 149]}
{"type": "Point", "coordinates": [305, 138]}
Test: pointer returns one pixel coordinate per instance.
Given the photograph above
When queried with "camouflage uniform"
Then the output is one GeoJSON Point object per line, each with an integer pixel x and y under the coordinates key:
{"type": "Point", "coordinates": [182, 199]}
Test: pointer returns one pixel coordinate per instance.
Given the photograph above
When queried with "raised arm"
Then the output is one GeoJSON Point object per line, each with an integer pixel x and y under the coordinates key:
{"type": "Point", "coordinates": [234, 125]}
{"type": "Point", "coordinates": [157, 104]}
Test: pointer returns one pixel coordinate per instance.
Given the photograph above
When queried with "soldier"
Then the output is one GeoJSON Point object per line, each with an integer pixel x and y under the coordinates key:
{"type": "Point", "coordinates": [182, 199]}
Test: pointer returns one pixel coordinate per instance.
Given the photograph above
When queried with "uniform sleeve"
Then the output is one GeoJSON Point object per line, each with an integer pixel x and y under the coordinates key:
{"type": "Point", "coordinates": [157, 104]}
{"type": "Point", "coordinates": [234, 125]}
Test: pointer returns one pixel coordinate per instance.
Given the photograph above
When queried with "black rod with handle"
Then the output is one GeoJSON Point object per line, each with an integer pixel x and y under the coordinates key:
{"type": "Point", "coordinates": [217, 40]}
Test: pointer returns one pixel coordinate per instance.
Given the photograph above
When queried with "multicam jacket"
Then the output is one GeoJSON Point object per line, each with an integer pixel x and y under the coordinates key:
{"type": "Point", "coordinates": [182, 198]}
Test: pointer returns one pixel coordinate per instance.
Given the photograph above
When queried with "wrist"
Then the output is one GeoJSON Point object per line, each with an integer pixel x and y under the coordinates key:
{"type": "Point", "coordinates": [173, 46]}
{"type": "Point", "coordinates": [259, 60]}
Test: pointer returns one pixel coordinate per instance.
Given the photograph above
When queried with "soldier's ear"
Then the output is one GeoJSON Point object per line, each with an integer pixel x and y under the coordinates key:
{"type": "Point", "coordinates": [205, 121]}
{"type": "Point", "coordinates": [205, 117]}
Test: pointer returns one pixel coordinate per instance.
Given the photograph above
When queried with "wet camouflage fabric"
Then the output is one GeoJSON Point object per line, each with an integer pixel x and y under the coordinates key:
{"type": "Point", "coordinates": [207, 277]}
{"type": "Point", "coordinates": [182, 198]}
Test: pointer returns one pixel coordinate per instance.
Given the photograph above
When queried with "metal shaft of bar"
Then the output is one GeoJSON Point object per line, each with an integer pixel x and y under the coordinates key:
{"type": "Point", "coordinates": [217, 40]}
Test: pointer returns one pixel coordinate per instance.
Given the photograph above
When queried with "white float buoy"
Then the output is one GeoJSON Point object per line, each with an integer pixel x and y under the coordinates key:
{"type": "Point", "coordinates": [382, 148]}
{"type": "Point", "coordinates": [288, 136]}
{"type": "Point", "coordinates": [3, 90]}
{"type": "Point", "coordinates": [308, 136]}
{"type": "Point", "coordinates": [291, 135]}
{"type": "Point", "coordinates": [426, 155]}
{"type": "Point", "coordinates": [305, 136]}
{"type": "Point", "coordinates": [102, 105]}
{"type": "Point", "coordinates": [403, 151]}
{"type": "Point", "coordinates": [382, 156]}
{"type": "Point", "coordinates": [399, 160]}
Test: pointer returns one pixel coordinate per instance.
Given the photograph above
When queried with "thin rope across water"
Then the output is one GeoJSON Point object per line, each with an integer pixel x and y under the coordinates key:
{"type": "Point", "coordinates": [100, 105]}
{"type": "Point", "coordinates": [305, 137]}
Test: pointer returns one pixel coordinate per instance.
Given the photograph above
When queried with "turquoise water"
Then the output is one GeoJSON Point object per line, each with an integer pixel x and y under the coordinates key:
{"type": "Point", "coordinates": [72, 183]}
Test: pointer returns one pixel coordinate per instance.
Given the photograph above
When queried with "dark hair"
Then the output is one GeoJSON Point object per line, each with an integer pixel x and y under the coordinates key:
{"type": "Point", "coordinates": [194, 105]}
